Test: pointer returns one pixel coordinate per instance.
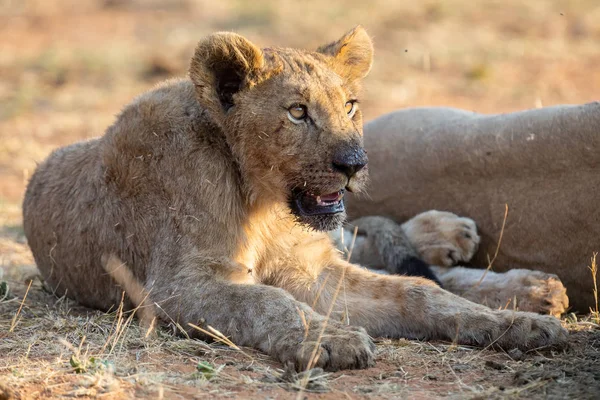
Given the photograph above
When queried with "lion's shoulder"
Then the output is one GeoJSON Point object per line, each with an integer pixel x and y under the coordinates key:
{"type": "Point", "coordinates": [164, 108]}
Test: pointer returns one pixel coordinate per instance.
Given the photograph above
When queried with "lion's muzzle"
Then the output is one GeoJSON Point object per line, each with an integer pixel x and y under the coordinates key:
{"type": "Point", "coordinates": [350, 161]}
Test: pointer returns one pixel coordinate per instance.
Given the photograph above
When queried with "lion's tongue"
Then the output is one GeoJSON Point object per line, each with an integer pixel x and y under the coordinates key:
{"type": "Point", "coordinates": [327, 199]}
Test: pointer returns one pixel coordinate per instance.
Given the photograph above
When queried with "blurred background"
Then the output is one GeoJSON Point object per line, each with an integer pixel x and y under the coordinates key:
{"type": "Point", "coordinates": [68, 66]}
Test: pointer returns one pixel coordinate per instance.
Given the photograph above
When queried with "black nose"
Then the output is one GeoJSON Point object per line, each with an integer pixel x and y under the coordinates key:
{"type": "Point", "coordinates": [349, 162]}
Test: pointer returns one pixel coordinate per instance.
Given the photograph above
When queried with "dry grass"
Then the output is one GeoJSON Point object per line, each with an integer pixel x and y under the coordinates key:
{"type": "Point", "coordinates": [59, 349]}
{"type": "Point", "coordinates": [594, 271]}
{"type": "Point", "coordinates": [67, 67]}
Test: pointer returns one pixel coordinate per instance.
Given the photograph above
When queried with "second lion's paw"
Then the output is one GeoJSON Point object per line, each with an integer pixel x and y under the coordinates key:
{"type": "Point", "coordinates": [442, 238]}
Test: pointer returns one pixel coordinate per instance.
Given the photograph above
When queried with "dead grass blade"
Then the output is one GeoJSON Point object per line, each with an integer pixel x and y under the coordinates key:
{"type": "Point", "coordinates": [16, 319]}
{"type": "Point", "coordinates": [594, 270]}
{"type": "Point", "coordinates": [491, 262]}
{"type": "Point", "coordinates": [315, 353]}
{"type": "Point", "coordinates": [352, 243]}
{"type": "Point", "coordinates": [121, 273]}
{"type": "Point", "coordinates": [220, 338]}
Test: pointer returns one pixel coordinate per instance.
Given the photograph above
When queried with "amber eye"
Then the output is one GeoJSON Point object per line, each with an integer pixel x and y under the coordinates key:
{"type": "Point", "coordinates": [350, 108]}
{"type": "Point", "coordinates": [297, 113]}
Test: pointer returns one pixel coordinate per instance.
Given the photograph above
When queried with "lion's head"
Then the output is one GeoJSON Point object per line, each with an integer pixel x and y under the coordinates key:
{"type": "Point", "coordinates": [291, 118]}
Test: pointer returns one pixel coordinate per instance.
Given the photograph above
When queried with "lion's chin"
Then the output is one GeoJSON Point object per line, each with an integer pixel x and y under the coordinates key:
{"type": "Point", "coordinates": [323, 222]}
{"type": "Point", "coordinates": [320, 212]}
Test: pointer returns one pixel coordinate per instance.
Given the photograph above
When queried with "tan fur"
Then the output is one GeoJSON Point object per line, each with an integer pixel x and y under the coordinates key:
{"type": "Point", "coordinates": [542, 163]}
{"type": "Point", "coordinates": [190, 188]}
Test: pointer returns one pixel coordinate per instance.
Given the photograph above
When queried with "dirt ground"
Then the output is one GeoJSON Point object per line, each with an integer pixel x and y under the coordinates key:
{"type": "Point", "coordinates": [67, 67]}
{"type": "Point", "coordinates": [53, 348]}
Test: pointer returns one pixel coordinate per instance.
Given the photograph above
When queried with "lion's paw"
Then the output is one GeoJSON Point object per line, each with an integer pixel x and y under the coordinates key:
{"type": "Point", "coordinates": [336, 349]}
{"type": "Point", "coordinates": [442, 238]}
{"type": "Point", "coordinates": [512, 329]}
{"type": "Point", "coordinates": [537, 291]}
{"type": "Point", "coordinates": [527, 331]}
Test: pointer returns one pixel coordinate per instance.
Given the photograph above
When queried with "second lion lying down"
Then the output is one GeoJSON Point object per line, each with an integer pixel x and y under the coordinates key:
{"type": "Point", "coordinates": [523, 176]}
{"type": "Point", "coordinates": [217, 191]}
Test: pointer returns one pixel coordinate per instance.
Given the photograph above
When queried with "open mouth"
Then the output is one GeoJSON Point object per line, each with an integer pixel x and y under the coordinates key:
{"type": "Point", "coordinates": [309, 204]}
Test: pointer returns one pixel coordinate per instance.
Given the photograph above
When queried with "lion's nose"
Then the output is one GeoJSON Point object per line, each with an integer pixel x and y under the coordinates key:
{"type": "Point", "coordinates": [350, 162]}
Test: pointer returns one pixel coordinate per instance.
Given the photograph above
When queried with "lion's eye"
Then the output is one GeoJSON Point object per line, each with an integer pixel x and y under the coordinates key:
{"type": "Point", "coordinates": [297, 113]}
{"type": "Point", "coordinates": [350, 108]}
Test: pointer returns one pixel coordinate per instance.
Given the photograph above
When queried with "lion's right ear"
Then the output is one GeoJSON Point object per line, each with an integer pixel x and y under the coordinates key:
{"type": "Point", "coordinates": [223, 64]}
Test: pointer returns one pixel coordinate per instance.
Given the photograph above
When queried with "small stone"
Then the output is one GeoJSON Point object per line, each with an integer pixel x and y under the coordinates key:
{"type": "Point", "coordinates": [516, 354]}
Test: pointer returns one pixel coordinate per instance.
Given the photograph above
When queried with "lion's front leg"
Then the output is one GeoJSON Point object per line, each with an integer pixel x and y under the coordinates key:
{"type": "Point", "coordinates": [213, 292]}
{"type": "Point", "coordinates": [396, 306]}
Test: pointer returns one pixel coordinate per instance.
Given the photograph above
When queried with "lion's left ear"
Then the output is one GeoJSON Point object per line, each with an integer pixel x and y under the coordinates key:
{"type": "Point", "coordinates": [353, 54]}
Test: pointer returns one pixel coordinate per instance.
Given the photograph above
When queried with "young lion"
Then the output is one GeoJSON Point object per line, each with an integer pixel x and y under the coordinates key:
{"type": "Point", "coordinates": [217, 191]}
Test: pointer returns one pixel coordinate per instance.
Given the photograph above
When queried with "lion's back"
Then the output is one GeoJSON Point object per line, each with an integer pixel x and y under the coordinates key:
{"type": "Point", "coordinates": [85, 198]}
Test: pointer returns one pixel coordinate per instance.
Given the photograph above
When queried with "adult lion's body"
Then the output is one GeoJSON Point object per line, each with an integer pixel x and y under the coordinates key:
{"type": "Point", "coordinates": [542, 163]}
{"type": "Point", "coordinates": [216, 191]}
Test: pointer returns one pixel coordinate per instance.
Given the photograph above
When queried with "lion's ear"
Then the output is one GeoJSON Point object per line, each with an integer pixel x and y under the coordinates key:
{"type": "Point", "coordinates": [223, 64]}
{"type": "Point", "coordinates": [353, 53]}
